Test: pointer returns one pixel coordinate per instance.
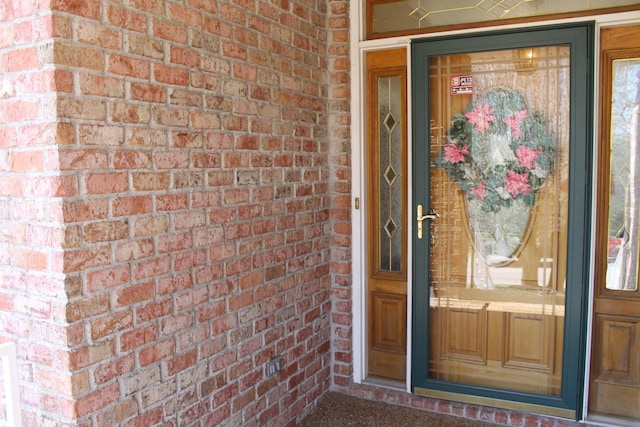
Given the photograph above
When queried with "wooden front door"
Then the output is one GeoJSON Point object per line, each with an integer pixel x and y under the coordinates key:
{"type": "Point", "coordinates": [615, 366]}
{"type": "Point", "coordinates": [499, 160]}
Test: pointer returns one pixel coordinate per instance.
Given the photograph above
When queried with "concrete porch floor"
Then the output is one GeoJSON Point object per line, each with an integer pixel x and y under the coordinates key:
{"type": "Point", "coordinates": [339, 410]}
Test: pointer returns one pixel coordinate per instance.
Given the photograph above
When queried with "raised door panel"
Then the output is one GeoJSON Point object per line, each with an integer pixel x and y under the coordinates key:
{"type": "Point", "coordinates": [530, 342]}
{"type": "Point", "coordinates": [389, 333]}
{"type": "Point", "coordinates": [615, 371]}
{"type": "Point", "coordinates": [387, 351]}
{"type": "Point", "coordinates": [615, 354]}
{"type": "Point", "coordinates": [467, 337]}
{"type": "Point", "coordinates": [482, 341]}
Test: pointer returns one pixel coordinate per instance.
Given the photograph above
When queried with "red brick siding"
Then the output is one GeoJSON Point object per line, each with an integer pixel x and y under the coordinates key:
{"type": "Point", "coordinates": [163, 181]}
{"type": "Point", "coordinates": [340, 182]}
{"type": "Point", "coordinates": [32, 234]}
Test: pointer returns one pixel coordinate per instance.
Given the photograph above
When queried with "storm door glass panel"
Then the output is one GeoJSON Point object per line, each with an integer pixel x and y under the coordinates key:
{"type": "Point", "coordinates": [390, 173]}
{"type": "Point", "coordinates": [624, 208]}
{"type": "Point", "coordinates": [499, 167]}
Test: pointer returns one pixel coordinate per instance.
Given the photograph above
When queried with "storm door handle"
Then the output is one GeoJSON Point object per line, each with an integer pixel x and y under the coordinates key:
{"type": "Point", "coordinates": [420, 217]}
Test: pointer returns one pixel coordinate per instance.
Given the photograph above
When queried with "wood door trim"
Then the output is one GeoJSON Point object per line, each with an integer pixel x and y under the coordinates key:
{"type": "Point", "coordinates": [615, 365]}
{"type": "Point", "coordinates": [386, 291]}
{"type": "Point", "coordinates": [610, 40]}
{"type": "Point", "coordinates": [374, 206]}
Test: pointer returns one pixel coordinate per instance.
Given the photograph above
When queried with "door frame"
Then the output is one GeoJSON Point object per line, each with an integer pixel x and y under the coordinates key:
{"type": "Point", "coordinates": [358, 46]}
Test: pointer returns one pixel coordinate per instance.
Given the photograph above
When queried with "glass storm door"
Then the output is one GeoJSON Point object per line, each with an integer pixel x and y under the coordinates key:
{"type": "Point", "coordinates": [500, 202]}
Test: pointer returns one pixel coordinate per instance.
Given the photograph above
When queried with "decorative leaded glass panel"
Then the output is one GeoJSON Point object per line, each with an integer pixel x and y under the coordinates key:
{"type": "Point", "coordinates": [390, 172]}
{"type": "Point", "coordinates": [407, 15]}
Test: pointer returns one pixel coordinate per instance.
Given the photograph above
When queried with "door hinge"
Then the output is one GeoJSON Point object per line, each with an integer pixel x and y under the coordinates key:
{"type": "Point", "coordinates": [357, 203]}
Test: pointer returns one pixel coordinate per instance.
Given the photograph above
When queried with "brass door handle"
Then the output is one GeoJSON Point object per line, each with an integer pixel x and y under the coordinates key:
{"type": "Point", "coordinates": [420, 217]}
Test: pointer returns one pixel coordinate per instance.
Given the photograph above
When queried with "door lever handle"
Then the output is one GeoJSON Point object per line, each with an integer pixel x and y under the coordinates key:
{"type": "Point", "coordinates": [420, 217]}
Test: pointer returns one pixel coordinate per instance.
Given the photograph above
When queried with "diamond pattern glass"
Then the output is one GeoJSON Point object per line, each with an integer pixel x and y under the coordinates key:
{"type": "Point", "coordinates": [390, 179]}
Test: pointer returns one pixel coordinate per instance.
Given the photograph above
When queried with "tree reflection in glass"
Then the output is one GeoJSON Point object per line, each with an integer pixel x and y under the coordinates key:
{"type": "Point", "coordinates": [624, 214]}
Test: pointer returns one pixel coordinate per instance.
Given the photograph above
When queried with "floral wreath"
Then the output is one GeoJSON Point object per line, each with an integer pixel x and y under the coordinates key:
{"type": "Point", "coordinates": [498, 150]}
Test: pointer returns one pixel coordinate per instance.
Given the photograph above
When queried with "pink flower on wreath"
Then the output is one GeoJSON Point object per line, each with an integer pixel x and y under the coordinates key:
{"type": "Point", "coordinates": [454, 154]}
{"type": "Point", "coordinates": [526, 156]}
{"type": "Point", "coordinates": [481, 116]}
{"type": "Point", "coordinates": [480, 191]}
{"type": "Point", "coordinates": [517, 183]}
{"type": "Point", "coordinates": [514, 123]}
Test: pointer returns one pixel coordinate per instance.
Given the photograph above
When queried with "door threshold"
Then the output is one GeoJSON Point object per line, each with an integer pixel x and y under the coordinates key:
{"type": "Point", "coordinates": [386, 383]}
{"type": "Point", "coordinates": [610, 421]}
{"type": "Point", "coordinates": [552, 411]}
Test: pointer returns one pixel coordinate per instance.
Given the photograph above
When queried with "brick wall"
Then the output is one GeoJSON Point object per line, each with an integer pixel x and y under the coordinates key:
{"type": "Point", "coordinates": [168, 187]}
{"type": "Point", "coordinates": [340, 161]}
{"type": "Point", "coordinates": [33, 290]}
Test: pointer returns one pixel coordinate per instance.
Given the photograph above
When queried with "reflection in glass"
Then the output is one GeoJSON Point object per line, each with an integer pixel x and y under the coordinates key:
{"type": "Point", "coordinates": [389, 173]}
{"type": "Point", "coordinates": [624, 213]}
{"type": "Point", "coordinates": [500, 182]}
{"type": "Point", "coordinates": [502, 155]}
{"type": "Point", "coordinates": [499, 238]}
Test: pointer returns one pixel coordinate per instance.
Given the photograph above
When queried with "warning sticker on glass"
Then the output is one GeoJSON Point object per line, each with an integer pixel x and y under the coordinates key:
{"type": "Point", "coordinates": [461, 85]}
